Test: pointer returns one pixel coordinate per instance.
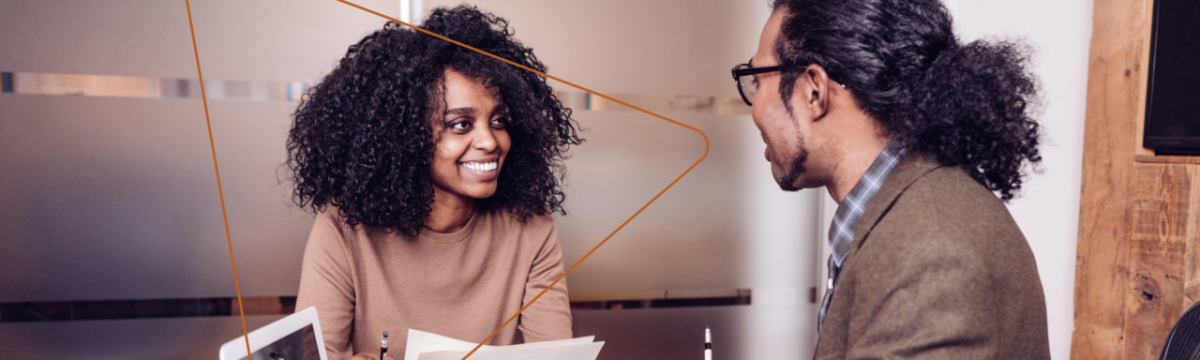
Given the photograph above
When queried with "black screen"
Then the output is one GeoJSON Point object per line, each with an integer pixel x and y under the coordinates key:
{"type": "Point", "coordinates": [1173, 97]}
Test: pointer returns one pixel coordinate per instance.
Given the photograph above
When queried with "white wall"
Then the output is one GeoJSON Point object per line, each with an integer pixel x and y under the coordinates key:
{"type": "Point", "coordinates": [1048, 210]}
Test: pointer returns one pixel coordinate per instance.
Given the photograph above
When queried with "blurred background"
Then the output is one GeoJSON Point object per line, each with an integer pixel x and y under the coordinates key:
{"type": "Point", "coordinates": [113, 237]}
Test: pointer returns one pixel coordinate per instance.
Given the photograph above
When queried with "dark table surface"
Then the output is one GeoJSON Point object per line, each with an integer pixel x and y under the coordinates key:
{"type": "Point", "coordinates": [739, 332]}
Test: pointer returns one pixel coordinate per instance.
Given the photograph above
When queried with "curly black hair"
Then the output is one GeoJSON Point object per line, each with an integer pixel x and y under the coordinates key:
{"type": "Point", "coordinates": [970, 105]}
{"type": "Point", "coordinates": [362, 140]}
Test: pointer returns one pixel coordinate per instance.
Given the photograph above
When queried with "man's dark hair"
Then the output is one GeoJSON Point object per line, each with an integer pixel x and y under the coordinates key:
{"type": "Point", "coordinates": [361, 139]}
{"type": "Point", "coordinates": [970, 105]}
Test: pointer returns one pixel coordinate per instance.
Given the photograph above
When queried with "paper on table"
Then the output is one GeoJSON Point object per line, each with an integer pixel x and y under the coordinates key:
{"type": "Point", "coordinates": [431, 346]}
{"type": "Point", "coordinates": [587, 351]}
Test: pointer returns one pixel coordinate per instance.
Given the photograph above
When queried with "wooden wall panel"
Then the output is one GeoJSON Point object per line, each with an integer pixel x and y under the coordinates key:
{"type": "Point", "coordinates": [1138, 263]}
{"type": "Point", "coordinates": [1191, 279]}
{"type": "Point", "coordinates": [1155, 294]}
{"type": "Point", "coordinates": [1115, 84]}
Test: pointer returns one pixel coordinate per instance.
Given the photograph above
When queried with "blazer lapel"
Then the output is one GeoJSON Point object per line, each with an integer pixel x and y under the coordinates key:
{"type": "Point", "coordinates": [910, 168]}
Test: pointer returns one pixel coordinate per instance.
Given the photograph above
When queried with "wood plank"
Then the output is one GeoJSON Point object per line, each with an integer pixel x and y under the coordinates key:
{"type": "Point", "coordinates": [1168, 159]}
{"type": "Point", "coordinates": [1146, 30]}
{"type": "Point", "coordinates": [1116, 80]}
{"type": "Point", "coordinates": [1156, 257]}
{"type": "Point", "coordinates": [1191, 268]}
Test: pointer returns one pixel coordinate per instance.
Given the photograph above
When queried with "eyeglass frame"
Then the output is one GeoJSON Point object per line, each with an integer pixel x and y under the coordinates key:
{"type": "Point", "coordinates": [738, 72]}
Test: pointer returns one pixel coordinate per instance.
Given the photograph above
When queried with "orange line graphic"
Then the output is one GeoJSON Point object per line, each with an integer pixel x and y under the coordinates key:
{"type": "Point", "coordinates": [639, 212]}
{"type": "Point", "coordinates": [220, 192]}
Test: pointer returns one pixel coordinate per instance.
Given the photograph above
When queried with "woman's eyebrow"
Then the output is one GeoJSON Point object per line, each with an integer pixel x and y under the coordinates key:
{"type": "Point", "coordinates": [460, 111]}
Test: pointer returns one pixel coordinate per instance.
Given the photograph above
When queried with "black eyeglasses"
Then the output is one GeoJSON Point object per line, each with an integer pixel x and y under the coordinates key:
{"type": "Point", "coordinates": [749, 86]}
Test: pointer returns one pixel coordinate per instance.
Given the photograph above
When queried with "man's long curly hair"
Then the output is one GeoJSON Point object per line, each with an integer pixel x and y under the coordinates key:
{"type": "Point", "coordinates": [970, 105]}
{"type": "Point", "coordinates": [362, 139]}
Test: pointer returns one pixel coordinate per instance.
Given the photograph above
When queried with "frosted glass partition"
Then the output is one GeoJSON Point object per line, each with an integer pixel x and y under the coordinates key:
{"type": "Point", "coordinates": [115, 197]}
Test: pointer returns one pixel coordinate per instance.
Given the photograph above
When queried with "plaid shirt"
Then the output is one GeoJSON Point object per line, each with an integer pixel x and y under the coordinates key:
{"type": "Point", "coordinates": [849, 212]}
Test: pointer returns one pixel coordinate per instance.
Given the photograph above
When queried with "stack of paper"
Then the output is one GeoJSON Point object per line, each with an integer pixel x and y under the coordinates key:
{"type": "Point", "coordinates": [426, 346]}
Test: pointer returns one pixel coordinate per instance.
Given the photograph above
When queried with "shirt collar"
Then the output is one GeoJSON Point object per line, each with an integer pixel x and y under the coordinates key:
{"type": "Point", "coordinates": [850, 211]}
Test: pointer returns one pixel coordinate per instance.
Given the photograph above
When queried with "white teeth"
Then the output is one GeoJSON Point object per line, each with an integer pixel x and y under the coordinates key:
{"type": "Point", "coordinates": [487, 166]}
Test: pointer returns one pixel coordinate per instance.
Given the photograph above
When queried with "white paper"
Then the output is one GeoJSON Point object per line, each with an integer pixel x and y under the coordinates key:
{"type": "Point", "coordinates": [428, 346]}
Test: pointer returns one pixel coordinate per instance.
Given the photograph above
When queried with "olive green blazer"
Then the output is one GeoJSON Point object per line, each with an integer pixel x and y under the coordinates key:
{"type": "Point", "coordinates": [938, 269]}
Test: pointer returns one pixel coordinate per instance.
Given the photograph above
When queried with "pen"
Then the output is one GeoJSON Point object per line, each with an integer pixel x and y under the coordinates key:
{"type": "Point", "coordinates": [383, 348]}
{"type": "Point", "coordinates": [707, 344]}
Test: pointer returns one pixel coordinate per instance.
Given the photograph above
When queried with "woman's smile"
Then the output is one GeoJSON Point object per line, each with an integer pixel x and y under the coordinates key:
{"type": "Point", "coordinates": [485, 170]}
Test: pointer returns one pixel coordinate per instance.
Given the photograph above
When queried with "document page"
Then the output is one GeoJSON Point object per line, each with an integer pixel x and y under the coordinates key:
{"type": "Point", "coordinates": [428, 346]}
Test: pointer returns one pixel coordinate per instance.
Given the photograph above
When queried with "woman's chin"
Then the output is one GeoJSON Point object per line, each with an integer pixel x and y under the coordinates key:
{"type": "Point", "coordinates": [480, 194]}
{"type": "Point", "coordinates": [465, 191]}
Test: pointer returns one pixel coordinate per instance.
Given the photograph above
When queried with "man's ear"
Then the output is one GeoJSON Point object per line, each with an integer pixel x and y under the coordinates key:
{"type": "Point", "coordinates": [815, 84]}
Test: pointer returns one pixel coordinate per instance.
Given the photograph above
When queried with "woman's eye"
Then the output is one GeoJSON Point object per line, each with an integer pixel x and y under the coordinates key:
{"type": "Point", "coordinates": [500, 122]}
{"type": "Point", "coordinates": [460, 126]}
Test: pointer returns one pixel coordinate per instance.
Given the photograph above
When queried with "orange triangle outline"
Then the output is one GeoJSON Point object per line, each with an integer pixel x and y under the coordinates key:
{"type": "Point", "coordinates": [220, 191]}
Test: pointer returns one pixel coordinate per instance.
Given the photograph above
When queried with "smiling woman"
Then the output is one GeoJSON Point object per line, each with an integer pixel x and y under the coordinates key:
{"type": "Point", "coordinates": [433, 171]}
{"type": "Point", "coordinates": [469, 151]}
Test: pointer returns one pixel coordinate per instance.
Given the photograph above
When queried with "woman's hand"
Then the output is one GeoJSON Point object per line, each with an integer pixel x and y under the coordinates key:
{"type": "Point", "coordinates": [369, 355]}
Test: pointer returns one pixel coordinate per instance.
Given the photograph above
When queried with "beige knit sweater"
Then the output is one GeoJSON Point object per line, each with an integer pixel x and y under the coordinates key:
{"type": "Point", "coordinates": [463, 284]}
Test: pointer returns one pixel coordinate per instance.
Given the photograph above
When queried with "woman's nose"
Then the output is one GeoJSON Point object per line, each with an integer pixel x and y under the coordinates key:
{"type": "Point", "coordinates": [484, 139]}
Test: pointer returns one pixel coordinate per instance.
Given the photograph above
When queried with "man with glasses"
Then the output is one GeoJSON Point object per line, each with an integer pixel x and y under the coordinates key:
{"type": "Point", "coordinates": [921, 140]}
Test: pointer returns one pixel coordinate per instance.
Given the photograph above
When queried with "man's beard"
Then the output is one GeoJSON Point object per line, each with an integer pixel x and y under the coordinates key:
{"type": "Point", "coordinates": [788, 181]}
